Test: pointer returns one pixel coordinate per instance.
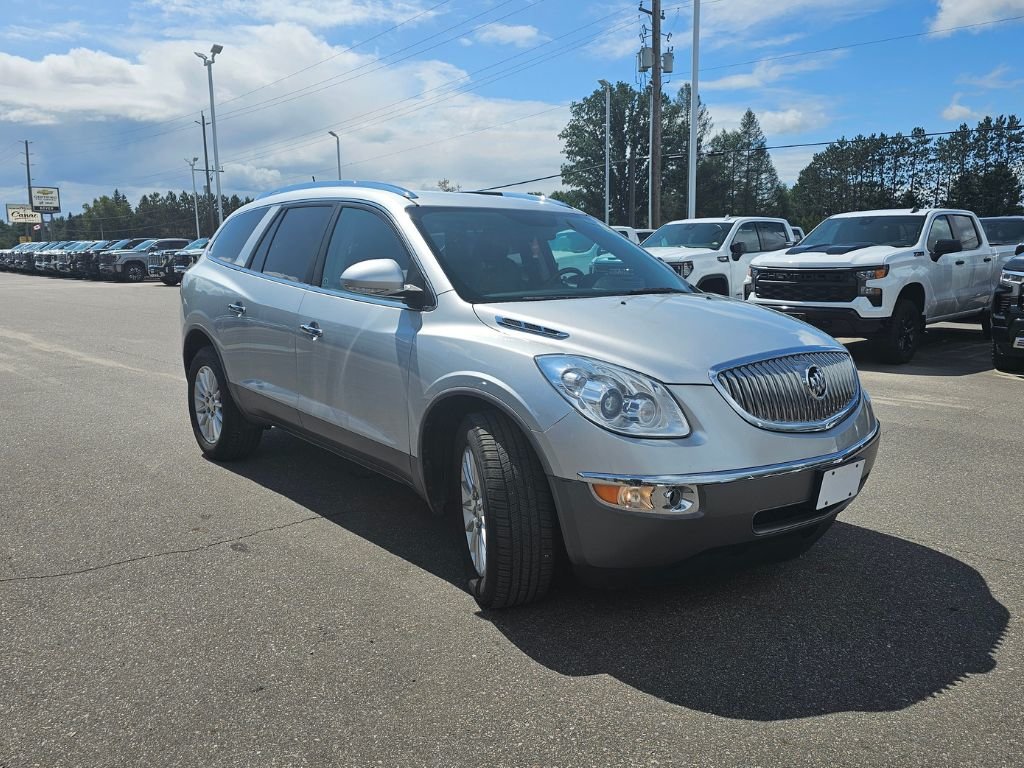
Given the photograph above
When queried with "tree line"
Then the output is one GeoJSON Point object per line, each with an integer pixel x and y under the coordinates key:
{"type": "Point", "coordinates": [980, 168]}
{"type": "Point", "coordinates": [113, 217]}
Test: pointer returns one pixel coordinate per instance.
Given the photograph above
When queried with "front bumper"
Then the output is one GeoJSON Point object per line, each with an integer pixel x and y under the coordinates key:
{"type": "Point", "coordinates": [1008, 333]}
{"type": "Point", "coordinates": [835, 321]}
{"type": "Point", "coordinates": [736, 508]}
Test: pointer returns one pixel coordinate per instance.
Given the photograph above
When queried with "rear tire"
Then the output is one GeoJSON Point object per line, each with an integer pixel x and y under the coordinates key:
{"type": "Point", "coordinates": [221, 430]}
{"type": "Point", "coordinates": [505, 511]}
{"type": "Point", "coordinates": [900, 340]}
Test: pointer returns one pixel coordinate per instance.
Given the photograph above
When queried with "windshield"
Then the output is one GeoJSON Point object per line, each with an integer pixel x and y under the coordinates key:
{"type": "Point", "coordinates": [1004, 231]}
{"type": "Point", "coordinates": [196, 244]}
{"type": "Point", "coordinates": [690, 234]}
{"type": "Point", "coordinates": [864, 231]}
{"type": "Point", "coordinates": [502, 254]}
{"type": "Point", "coordinates": [143, 245]}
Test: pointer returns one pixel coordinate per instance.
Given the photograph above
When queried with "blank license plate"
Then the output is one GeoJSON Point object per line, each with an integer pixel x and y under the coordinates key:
{"type": "Point", "coordinates": [1018, 343]}
{"type": "Point", "coordinates": [840, 484]}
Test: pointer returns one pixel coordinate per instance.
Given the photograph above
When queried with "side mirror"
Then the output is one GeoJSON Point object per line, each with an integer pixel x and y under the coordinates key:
{"type": "Point", "coordinates": [737, 249]}
{"type": "Point", "coordinates": [1018, 250]}
{"type": "Point", "coordinates": [945, 246]}
{"type": "Point", "coordinates": [380, 277]}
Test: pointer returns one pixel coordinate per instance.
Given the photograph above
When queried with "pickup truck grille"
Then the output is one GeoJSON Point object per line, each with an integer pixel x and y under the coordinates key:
{"type": "Point", "coordinates": [105, 258]}
{"type": "Point", "coordinates": [800, 392]}
{"type": "Point", "coordinates": [806, 284]}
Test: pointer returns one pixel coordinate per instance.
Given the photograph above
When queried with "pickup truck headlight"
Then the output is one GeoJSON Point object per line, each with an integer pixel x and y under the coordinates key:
{"type": "Point", "coordinates": [874, 295]}
{"type": "Point", "coordinates": [1011, 278]}
{"type": "Point", "coordinates": [615, 398]}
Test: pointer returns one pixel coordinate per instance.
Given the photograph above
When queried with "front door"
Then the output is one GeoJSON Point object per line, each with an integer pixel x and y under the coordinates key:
{"type": "Point", "coordinates": [973, 279]}
{"type": "Point", "coordinates": [353, 357]}
{"type": "Point", "coordinates": [945, 271]}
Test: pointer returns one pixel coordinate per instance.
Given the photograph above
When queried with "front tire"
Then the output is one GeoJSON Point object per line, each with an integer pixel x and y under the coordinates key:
{"type": "Point", "coordinates": [901, 339]}
{"type": "Point", "coordinates": [1005, 363]}
{"type": "Point", "coordinates": [221, 430]}
{"type": "Point", "coordinates": [506, 512]}
{"type": "Point", "coordinates": [134, 273]}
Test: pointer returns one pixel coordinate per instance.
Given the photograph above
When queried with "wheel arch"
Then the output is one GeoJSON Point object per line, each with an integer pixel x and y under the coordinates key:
{"type": "Point", "coordinates": [709, 281]}
{"type": "Point", "coordinates": [437, 434]}
{"type": "Point", "coordinates": [915, 293]}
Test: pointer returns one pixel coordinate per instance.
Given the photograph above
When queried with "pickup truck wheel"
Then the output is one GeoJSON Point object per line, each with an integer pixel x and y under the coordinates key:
{"type": "Point", "coordinates": [167, 280]}
{"type": "Point", "coordinates": [986, 325]}
{"type": "Point", "coordinates": [506, 515]}
{"type": "Point", "coordinates": [221, 430]}
{"type": "Point", "coordinates": [900, 340]}
{"type": "Point", "coordinates": [134, 273]}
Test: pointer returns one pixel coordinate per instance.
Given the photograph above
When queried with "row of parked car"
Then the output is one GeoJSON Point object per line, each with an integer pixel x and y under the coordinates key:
{"type": "Point", "coordinates": [130, 259]}
{"type": "Point", "coordinates": [882, 275]}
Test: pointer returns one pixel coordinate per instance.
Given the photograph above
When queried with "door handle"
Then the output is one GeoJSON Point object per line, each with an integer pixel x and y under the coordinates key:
{"type": "Point", "coordinates": [238, 308]}
{"type": "Point", "coordinates": [988, 259]}
{"type": "Point", "coordinates": [959, 263]}
{"type": "Point", "coordinates": [723, 259]}
{"type": "Point", "coordinates": [312, 330]}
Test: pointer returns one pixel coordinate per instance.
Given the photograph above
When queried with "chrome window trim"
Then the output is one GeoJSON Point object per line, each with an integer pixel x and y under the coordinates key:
{"type": "Point", "coordinates": [733, 475]}
{"type": "Point", "coordinates": [773, 426]}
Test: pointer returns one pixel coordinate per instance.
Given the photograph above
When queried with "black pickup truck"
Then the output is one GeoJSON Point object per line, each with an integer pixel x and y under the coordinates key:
{"type": "Point", "coordinates": [1008, 315]}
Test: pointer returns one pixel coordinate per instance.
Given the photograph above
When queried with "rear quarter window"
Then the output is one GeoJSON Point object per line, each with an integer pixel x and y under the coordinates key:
{"type": "Point", "coordinates": [231, 237]}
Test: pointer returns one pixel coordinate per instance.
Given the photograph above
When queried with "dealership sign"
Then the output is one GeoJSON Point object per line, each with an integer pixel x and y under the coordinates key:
{"type": "Point", "coordinates": [46, 199]}
{"type": "Point", "coordinates": [19, 213]}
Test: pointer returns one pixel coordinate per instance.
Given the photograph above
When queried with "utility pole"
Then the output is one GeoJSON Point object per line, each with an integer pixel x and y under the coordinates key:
{"type": "Point", "coordinates": [631, 172]}
{"type": "Point", "coordinates": [195, 194]}
{"type": "Point", "coordinates": [28, 188]}
{"type": "Point", "coordinates": [607, 147]}
{"type": "Point", "coordinates": [691, 176]}
{"type": "Point", "coordinates": [206, 166]}
{"type": "Point", "coordinates": [656, 115]}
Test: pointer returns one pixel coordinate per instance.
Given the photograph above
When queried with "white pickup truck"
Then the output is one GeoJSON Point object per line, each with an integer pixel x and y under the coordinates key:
{"type": "Point", "coordinates": [713, 254]}
{"type": "Point", "coordinates": [883, 275]}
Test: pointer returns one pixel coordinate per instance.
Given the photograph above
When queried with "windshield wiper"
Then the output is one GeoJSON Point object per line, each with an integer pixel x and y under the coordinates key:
{"type": "Point", "coordinates": [644, 291]}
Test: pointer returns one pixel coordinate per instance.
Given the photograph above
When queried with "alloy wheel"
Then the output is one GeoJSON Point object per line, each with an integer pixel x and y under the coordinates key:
{"type": "Point", "coordinates": [208, 405]}
{"type": "Point", "coordinates": [473, 517]}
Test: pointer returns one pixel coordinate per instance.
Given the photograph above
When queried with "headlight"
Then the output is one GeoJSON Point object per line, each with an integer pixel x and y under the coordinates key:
{"type": "Point", "coordinates": [875, 273]}
{"type": "Point", "coordinates": [1011, 278]}
{"type": "Point", "coordinates": [685, 269]}
{"type": "Point", "coordinates": [615, 398]}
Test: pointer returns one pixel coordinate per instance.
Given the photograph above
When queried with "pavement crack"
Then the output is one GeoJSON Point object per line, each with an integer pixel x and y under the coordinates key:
{"type": "Point", "coordinates": [153, 555]}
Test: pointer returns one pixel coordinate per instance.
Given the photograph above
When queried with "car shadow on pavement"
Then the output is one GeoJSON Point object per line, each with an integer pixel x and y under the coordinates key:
{"type": "Point", "coordinates": [946, 350]}
{"type": "Point", "coordinates": [863, 622]}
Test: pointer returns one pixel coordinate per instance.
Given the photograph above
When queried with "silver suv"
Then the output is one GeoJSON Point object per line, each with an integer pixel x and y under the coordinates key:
{"type": "Point", "coordinates": [615, 416]}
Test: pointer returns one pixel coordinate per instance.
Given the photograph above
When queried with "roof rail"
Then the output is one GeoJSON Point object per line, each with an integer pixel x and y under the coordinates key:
{"type": "Point", "coordinates": [520, 196]}
{"type": "Point", "coordinates": [378, 185]}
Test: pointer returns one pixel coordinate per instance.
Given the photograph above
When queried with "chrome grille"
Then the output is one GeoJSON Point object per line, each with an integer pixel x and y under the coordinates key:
{"type": "Point", "coordinates": [775, 393]}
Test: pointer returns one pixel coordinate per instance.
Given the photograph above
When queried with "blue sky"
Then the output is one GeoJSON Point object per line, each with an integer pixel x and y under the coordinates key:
{"type": "Point", "coordinates": [476, 92]}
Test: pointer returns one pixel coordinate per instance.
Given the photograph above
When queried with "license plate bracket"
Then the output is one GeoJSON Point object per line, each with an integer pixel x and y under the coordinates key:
{"type": "Point", "coordinates": [840, 484]}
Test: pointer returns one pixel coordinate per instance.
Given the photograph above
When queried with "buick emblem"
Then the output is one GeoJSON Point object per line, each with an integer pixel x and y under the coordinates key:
{"type": "Point", "coordinates": [815, 380]}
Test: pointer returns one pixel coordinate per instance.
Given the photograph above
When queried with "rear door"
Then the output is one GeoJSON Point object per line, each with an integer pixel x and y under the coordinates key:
{"type": "Point", "coordinates": [353, 356]}
{"type": "Point", "coordinates": [974, 267]}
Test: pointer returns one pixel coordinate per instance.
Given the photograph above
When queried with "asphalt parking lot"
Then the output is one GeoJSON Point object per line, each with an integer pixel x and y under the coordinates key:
{"type": "Point", "coordinates": [159, 609]}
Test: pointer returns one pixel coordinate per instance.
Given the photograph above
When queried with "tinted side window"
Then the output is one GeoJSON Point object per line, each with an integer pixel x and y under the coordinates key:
{"type": "Point", "coordinates": [773, 235]}
{"type": "Point", "coordinates": [966, 233]}
{"type": "Point", "coordinates": [358, 236]}
{"type": "Point", "coordinates": [228, 242]}
{"type": "Point", "coordinates": [747, 234]}
{"type": "Point", "coordinates": [296, 244]}
{"type": "Point", "coordinates": [940, 231]}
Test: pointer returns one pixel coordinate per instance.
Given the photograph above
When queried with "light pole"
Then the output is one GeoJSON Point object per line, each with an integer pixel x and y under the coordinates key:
{"type": "Point", "coordinates": [337, 143]}
{"type": "Point", "coordinates": [607, 147]}
{"type": "Point", "coordinates": [691, 180]}
{"type": "Point", "coordinates": [195, 194]}
{"type": "Point", "coordinates": [208, 63]}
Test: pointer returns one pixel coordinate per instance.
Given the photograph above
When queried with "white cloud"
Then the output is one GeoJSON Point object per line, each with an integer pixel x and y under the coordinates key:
{"type": "Point", "coordinates": [789, 162]}
{"type": "Point", "coordinates": [767, 72]}
{"type": "Point", "coordinates": [315, 14]}
{"type": "Point", "coordinates": [126, 121]}
{"type": "Point", "coordinates": [957, 111]}
{"type": "Point", "coordinates": [519, 35]}
{"type": "Point", "coordinates": [793, 120]}
{"type": "Point", "coordinates": [68, 30]}
{"type": "Point", "coordinates": [996, 79]}
{"type": "Point", "coordinates": [955, 13]}
{"type": "Point", "coordinates": [725, 24]}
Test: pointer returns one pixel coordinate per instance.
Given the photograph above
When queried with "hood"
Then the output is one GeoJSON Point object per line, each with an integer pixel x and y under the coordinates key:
{"type": "Point", "coordinates": [675, 338]}
{"type": "Point", "coordinates": [680, 254]}
{"type": "Point", "coordinates": [1015, 264]}
{"type": "Point", "coordinates": [871, 256]}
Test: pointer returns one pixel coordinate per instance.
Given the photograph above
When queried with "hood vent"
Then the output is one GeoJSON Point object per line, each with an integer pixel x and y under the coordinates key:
{"type": "Point", "coordinates": [525, 327]}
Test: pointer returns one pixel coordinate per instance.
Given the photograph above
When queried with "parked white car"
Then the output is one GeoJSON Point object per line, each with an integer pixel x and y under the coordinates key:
{"type": "Point", "coordinates": [714, 254]}
{"type": "Point", "coordinates": [629, 233]}
{"type": "Point", "coordinates": [883, 275]}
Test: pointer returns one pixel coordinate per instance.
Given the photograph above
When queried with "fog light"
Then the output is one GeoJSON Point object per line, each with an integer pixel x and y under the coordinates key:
{"type": "Point", "coordinates": [874, 295]}
{"type": "Point", "coordinates": [670, 499]}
